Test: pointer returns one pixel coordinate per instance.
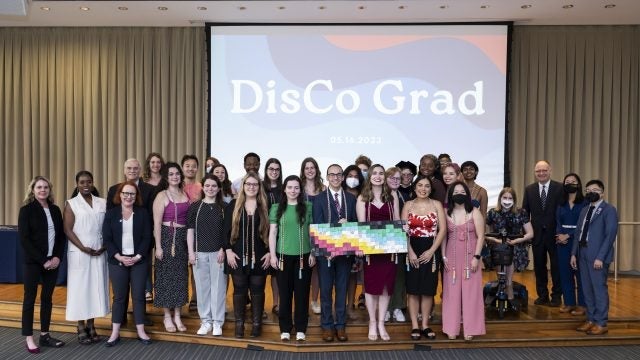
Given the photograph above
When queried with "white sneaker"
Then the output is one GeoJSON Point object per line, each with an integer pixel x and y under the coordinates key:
{"type": "Point", "coordinates": [285, 336]}
{"type": "Point", "coordinates": [387, 317]}
{"type": "Point", "coordinates": [398, 316]}
{"type": "Point", "coordinates": [315, 307]}
{"type": "Point", "coordinates": [217, 329]}
{"type": "Point", "coordinates": [204, 329]}
{"type": "Point", "coordinates": [300, 336]}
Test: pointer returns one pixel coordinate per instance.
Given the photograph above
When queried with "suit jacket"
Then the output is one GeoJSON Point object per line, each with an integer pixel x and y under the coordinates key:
{"type": "Point", "coordinates": [112, 233]}
{"type": "Point", "coordinates": [603, 228]}
{"type": "Point", "coordinates": [323, 211]}
{"type": "Point", "coordinates": [147, 191]}
{"type": "Point", "coordinates": [543, 221]}
{"type": "Point", "coordinates": [34, 233]}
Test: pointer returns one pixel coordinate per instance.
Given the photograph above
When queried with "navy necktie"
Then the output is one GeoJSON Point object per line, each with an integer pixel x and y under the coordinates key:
{"type": "Point", "coordinates": [543, 196]}
{"type": "Point", "coordinates": [585, 228]}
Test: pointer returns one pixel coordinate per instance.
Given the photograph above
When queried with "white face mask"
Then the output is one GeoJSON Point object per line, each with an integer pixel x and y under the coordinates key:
{"type": "Point", "coordinates": [352, 182]}
{"type": "Point", "coordinates": [507, 204]}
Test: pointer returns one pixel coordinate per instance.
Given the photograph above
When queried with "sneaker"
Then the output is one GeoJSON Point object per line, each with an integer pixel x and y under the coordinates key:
{"type": "Point", "coordinates": [398, 316]}
{"type": "Point", "coordinates": [315, 307]}
{"type": "Point", "coordinates": [217, 329]}
{"type": "Point", "coordinates": [285, 336]}
{"type": "Point", "coordinates": [204, 329]}
{"type": "Point", "coordinates": [387, 317]}
{"type": "Point", "coordinates": [300, 336]}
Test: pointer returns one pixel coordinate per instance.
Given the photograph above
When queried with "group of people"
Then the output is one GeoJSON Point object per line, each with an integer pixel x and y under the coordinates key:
{"type": "Point", "coordinates": [254, 227]}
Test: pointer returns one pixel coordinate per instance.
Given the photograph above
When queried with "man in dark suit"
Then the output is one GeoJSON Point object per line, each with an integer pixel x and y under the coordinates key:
{"type": "Point", "coordinates": [132, 171]}
{"type": "Point", "coordinates": [541, 199]}
{"type": "Point", "coordinates": [596, 231]}
{"type": "Point", "coordinates": [334, 206]}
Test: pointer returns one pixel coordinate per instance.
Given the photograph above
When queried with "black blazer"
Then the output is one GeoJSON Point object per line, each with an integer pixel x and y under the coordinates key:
{"type": "Point", "coordinates": [543, 221]}
{"type": "Point", "coordinates": [112, 233]}
{"type": "Point", "coordinates": [34, 233]}
{"type": "Point", "coordinates": [147, 191]}
{"type": "Point", "coordinates": [322, 210]}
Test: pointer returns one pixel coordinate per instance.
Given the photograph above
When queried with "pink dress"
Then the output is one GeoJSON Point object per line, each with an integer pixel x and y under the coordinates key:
{"type": "Point", "coordinates": [462, 297]}
{"type": "Point", "coordinates": [380, 273]}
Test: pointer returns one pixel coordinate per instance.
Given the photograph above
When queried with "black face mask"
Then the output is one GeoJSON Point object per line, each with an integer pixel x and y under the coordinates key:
{"type": "Point", "coordinates": [592, 197]}
{"type": "Point", "coordinates": [570, 188]}
{"type": "Point", "coordinates": [459, 198]}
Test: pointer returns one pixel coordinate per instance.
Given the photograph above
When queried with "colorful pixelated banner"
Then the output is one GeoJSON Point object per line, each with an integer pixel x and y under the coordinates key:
{"type": "Point", "coordinates": [375, 237]}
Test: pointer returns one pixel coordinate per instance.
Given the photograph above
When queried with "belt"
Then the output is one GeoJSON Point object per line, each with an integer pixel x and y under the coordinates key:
{"type": "Point", "coordinates": [569, 226]}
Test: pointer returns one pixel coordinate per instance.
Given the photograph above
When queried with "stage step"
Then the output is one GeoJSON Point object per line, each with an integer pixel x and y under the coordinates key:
{"type": "Point", "coordinates": [500, 333]}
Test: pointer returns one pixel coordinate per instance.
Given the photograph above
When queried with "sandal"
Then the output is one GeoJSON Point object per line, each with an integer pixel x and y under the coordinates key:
{"type": "Point", "coordinates": [48, 341]}
{"type": "Point", "coordinates": [148, 297]}
{"type": "Point", "coordinates": [373, 331]}
{"type": "Point", "coordinates": [415, 334]}
{"type": "Point", "coordinates": [383, 332]}
{"type": "Point", "coordinates": [83, 336]}
{"type": "Point", "coordinates": [361, 304]}
{"type": "Point", "coordinates": [95, 338]}
{"type": "Point", "coordinates": [179, 324]}
{"type": "Point", "coordinates": [169, 327]}
{"type": "Point", "coordinates": [428, 333]}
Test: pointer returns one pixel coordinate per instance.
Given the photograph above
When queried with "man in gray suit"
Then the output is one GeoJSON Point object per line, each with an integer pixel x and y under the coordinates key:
{"type": "Point", "coordinates": [593, 253]}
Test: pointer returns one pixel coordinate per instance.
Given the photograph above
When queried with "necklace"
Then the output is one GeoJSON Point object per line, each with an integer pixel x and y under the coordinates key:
{"type": "Point", "coordinates": [467, 269]}
{"type": "Point", "coordinates": [246, 242]}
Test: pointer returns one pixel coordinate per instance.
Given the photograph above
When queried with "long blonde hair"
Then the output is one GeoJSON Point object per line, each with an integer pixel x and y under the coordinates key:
{"type": "Point", "coordinates": [367, 192]}
{"type": "Point", "coordinates": [29, 196]}
{"type": "Point", "coordinates": [261, 210]}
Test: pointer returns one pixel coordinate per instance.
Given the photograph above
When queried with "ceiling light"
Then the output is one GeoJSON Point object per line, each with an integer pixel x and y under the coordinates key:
{"type": "Point", "coordinates": [444, 6]}
{"type": "Point", "coordinates": [123, 8]}
{"type": "Point", "coordinates": [569, 6]}
{"type": "Point", "coordinates": [610, 6]}
{"type": "Point", "coordinates": [84, 8]}
{"type": "Point", "coordinates": [484, 6]}
{"type": "Point", "coordinates": [163, 8]}
{"type": "Point", "coordinates": [402, 7]}
{"type": "Point", "coordinates": [361, 7]}
{"type": "Point", "coordinates": [321, 7]}
{"type": "Point", "coordinates": [281, 7]}
{"type": "Point", "coordinates": [242, 8]}
{"type": "Point", "coordinates": [201, 8]}
{"type": "Point", "coordinates": [525, 6]}
{"type": "Point", "coordinates": [45, 8]}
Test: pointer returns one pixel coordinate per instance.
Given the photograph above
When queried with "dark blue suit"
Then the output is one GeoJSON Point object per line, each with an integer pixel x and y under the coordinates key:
{"type": "Point", "coordinates": [601, 236]}
{"type": "Point", "coordinates": [337, 272]}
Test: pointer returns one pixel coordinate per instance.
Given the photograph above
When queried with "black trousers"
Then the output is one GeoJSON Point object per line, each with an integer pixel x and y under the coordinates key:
{"type": "Point", "coordinates": [292, 286]}
{"type": "Point", "coordinates": [32, 275]}
{"type": "Point", "coordinates": [123, 278]}
{"type": "Point", "coordinates": [540, 250]}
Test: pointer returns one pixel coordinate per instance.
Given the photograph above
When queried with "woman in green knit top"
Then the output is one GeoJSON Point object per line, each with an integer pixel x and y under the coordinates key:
{"type": "Point", "coordinates": [291, 256]}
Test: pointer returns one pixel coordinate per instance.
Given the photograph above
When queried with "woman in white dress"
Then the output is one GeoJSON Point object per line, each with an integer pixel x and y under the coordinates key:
{"type": "Point", "coordinates": [87, 282]}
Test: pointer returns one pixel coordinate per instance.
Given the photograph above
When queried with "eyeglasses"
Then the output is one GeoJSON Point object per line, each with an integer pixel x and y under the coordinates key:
{"type": "Point", "coordinates": [273, 169]}
{"type": "Point", "coordinates": [394, 178]}
{"type": "Point", "coordinates": [128, 194]}
{"type": "Point", "coordinates": [248, 184]}
{"type": "Point", "coordinates": [332, 175]}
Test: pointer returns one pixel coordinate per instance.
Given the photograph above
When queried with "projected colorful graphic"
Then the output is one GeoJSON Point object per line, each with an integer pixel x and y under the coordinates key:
{"type": "Point", "coordinates": [375, 237]}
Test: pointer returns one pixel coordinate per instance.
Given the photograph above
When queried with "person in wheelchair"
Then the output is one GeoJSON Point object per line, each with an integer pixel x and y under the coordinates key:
{"type": "Point", "coordinates": [508, 219]}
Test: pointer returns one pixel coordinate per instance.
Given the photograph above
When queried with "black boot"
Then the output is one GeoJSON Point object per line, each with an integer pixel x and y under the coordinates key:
{"type": "Point", "coordinates": [257, 308]}
{"type": "Point", "coordinates": [239, 303]}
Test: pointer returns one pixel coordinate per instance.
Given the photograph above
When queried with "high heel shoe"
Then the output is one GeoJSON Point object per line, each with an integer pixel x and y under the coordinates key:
{"type": "Point", "coordinates": [383, 332]}
{"type": "Point", "coordinates": [373, 331]}
{"type": "Point", "coordinates": [168, 324]}
{"type": "Point", "coordinates": [32, 351]}
{"type": "Point", "coordinates": [179, 324]}
{"type": "Point", "coordinates": [112, 343]}
{"type": "Point", "coordinates": [144, 341]}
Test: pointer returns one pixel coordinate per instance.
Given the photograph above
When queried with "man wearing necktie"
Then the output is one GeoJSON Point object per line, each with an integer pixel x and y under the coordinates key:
{"type": "Point", "coordinates": [334, 206]}
{"type": "Point", "coordinates": [541, 199]}
{"type": "Point", "coordinates": [597, 229]}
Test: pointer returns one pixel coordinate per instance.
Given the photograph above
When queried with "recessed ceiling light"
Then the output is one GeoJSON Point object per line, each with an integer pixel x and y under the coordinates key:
{"type": "Point", "coordinates": [444, 6]}
{"type": "Point", "coordinates": [321, 7]}
{"type": "Point", "coordinates": [525, 6]}
{"type": "Point", "coordinates": [163, 8]}
{"type": "Point", "coordinates": [281, 7]}
{"type": "Point", "coordinates": [402, 7]}
{"type": "Point", "coordinates": [361, 7]}
{"type": "Point", "coordinates": [202, 8]}
{"type": "Point", "coordinates": [84, 8]}
{"type": "Point", "coordinates": [123, 8]}
{"type": "Point", "coordinates": [242, 8]}
{"type": "Point", "coordinates": [484, 6]}
{"type": "Point", "coordinates": [45, 8]}
{"type": "Point", "coordinates": [568, 6]}
{"type": "Point", "coordinates": [610, 6]}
